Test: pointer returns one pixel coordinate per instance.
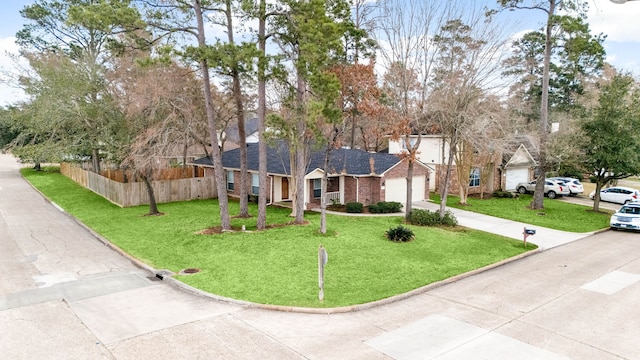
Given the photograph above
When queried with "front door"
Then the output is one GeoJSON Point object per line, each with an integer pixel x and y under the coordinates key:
{"type": "Point", "coordinates": [285, 188]}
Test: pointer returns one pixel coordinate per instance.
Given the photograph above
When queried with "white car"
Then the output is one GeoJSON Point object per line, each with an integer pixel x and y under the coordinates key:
{"type": "Point", "coordinates": [618, 195]}
{"type": "Point", "coordinates": [552, 189]}
{"type": "Point", "coordinates": [627, 217]}
{"type": "Point", "coordinates": [574, 185]}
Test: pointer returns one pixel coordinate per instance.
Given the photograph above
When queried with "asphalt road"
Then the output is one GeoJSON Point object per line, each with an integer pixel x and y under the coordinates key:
{"type": "Point", "coordinates": [65, 295]}
{"type": "Point", "coordinates": [584, 200]}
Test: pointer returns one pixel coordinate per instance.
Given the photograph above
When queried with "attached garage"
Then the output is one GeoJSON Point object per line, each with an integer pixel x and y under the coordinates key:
{"type": "Point", "coordinates": [396, 189]}
{"type": "Point", "coordinates": [515, 176]}
{"type": "Point", "coordinates": [518, 167]}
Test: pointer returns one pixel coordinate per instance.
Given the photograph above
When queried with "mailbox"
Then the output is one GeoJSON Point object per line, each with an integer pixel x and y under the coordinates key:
{"type": "Point", "coordinates": [529, 231]}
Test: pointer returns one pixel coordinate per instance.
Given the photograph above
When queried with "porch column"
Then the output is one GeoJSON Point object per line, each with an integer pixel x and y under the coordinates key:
{"type": "Point", "coordinates": [341, 188]}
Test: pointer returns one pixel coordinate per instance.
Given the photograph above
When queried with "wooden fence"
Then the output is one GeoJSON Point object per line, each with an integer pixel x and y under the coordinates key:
{"type": "Point", "coordinates": [125, 176]}
{"type": "Point", "coordinates": [135, 193]}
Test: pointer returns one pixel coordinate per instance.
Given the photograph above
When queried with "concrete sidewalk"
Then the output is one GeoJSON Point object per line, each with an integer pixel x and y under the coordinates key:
{"type": "Point", "coordinates": [545, 238]}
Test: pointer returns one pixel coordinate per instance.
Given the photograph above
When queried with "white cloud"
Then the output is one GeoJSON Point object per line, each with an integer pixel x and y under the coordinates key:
{"type": "Point", "coordinates": [618, 21]}
{"type": "Point", "coordinates": [9, 92]}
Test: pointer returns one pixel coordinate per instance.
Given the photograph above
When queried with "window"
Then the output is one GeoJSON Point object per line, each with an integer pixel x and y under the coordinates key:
{"type": "Point", "coordinates": [230, 185]}
{"type": "Point", "coordinates": [403, 144]}
{"type": "Point", "coordinates": [255, 184]}
{"type": "Point", "coordinates": [317, 188]}
{"type": "Point", "coordinates": [474, 177]}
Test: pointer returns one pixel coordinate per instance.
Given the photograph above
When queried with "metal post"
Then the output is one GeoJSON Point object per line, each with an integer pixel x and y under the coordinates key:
{"type": "Point", "coordinates": [323, 257]}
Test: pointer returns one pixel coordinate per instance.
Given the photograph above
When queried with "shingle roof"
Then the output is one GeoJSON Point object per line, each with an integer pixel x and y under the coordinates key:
{"type": "Point", "coordinates": [348, 161]}
{"type": "Point", "coordinates": [250, 126]}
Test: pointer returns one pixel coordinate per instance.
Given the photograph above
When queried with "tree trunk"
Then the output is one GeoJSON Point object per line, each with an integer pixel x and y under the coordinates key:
{"type": "Point", "coordinates": [300, 155]}
{"type": "Point", "coordinates": [445, 188]}
{"type": "Point", "coordinates": [95, 160]}
{"type": "Point", "coordinates": [242, 141]}
{"type": "Point", "coordinates": [262, 105]}
{"type": "Point", "coordinates": [216, 158]}
{"type": "Point", "coordinates": [300, 172]}
{"type": "Point", "coordinates": [408, 207]}
{"type": "Point", "coordinates": [153, 206]}
{"type": "Point", "coordinates": [596, 196]}
{"type": "Point", "coordinates": [538, 195]}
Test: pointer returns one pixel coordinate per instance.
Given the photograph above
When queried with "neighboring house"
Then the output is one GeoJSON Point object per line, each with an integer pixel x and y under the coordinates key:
{"type": "Point", "coordinates": [353, 176]}
{"type": "Point", "coordinates": [232, 137]}
{"type": "Point", "coordinates": [517, 165]}
{"type": "Point", "coordinates": [434, 151]}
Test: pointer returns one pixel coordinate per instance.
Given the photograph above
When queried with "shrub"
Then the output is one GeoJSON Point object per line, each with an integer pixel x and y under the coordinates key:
{"type": "Point", "coordinates": [354, 207]}
{"type": "Point", "coordinates": [374, 208]}
{"type": "Point", "coordinates": [400, 234]}
{"type": "Point", "coordinates": [504, 194]}
{"type": "Point", "coordinates": [385, 207]}
{"type": "Point", "coordinates": [424, 217]}
{"type": "Point", "coordinates": [449, 219]}
{"type": "Point", "coordinates": [432, 218]}
{"type": "Point", "coordinates": [391, 206]}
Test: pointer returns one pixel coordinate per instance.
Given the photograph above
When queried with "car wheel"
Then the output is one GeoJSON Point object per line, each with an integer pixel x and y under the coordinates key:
{"type": "Point", "coordinates": [551, 194]}
{"type": "Point", "coordinates": [522, 190]}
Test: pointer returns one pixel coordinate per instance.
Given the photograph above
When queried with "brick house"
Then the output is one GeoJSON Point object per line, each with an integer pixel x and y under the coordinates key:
{"type": "Point", "coordinates": [353, 176]}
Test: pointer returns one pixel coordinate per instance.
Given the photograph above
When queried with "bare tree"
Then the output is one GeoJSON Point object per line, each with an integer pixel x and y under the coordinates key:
{"type": "Point", "coordinates": [466, 74]}
{"type": "Point", "coordinates": [408, 53]}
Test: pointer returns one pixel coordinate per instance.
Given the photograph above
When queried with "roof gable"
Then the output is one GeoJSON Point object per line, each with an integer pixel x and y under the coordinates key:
{"type": "Point", "coordinates": [521, 157]}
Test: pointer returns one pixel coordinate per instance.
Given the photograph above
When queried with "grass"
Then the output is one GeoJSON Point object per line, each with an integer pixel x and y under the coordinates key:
{"type": "Point", "coordinates": [556, 214]}
{"type": "Point", "coordinates": [279, 265]}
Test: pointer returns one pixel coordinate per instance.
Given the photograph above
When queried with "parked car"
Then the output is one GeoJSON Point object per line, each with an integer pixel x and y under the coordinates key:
{"type": "Point", "coordinates": [627, 217]}
{"type": "Point", "coordinates": [552, 189]}
{"type": "Point", "coordinates": [574, 185]}
{"type": "Point", "coordinates": [618, 194]}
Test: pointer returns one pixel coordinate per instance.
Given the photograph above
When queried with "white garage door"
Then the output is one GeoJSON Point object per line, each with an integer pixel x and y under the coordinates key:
{"type": "Point", "coordinates": [515, 176]}
{"type": "Point", "coordinates": [396, 189]}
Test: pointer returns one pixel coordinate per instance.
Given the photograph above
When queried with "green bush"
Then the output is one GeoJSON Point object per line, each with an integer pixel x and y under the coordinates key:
{"type": "Point", "coordinates": [504, 194]}
{"type": "Point", "coordinates": [400, 234]}
{"type": "Point", "coordinates": [385, 207]}
{"type": "Point", "coordinates": [449, 219]}
{"type": "Point", "coordinates": [354, 207]}
{"type": "Point", "coordinates": [422, 217]}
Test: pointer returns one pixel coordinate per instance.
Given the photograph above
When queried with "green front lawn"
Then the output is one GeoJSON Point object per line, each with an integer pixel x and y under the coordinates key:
{"type": "Point", "coordinates": [279, 265]}
{"type": "Point", "coordinates": [556, 214]}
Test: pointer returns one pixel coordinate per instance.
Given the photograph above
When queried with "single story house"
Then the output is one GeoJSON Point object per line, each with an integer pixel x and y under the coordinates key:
{"type": "Point", "coordinates": [353, 176]}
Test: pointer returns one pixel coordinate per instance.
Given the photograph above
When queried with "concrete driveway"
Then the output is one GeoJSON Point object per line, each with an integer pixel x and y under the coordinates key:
{"type": "Point", "coordinates": [64, 295]}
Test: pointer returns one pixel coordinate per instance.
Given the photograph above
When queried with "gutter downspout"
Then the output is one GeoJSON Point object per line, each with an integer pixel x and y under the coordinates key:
{"type": "Point", "coordinates": [271, 193]}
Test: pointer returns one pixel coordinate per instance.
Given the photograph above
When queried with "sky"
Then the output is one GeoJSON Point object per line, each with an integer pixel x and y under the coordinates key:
{"type": "Point", "coordinates": [619, 22]}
